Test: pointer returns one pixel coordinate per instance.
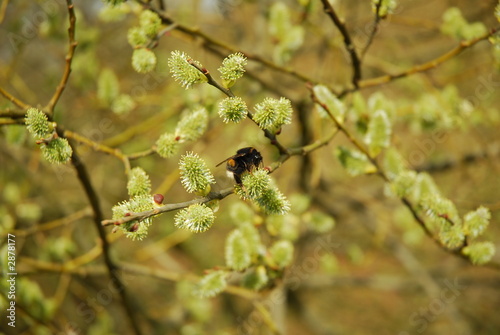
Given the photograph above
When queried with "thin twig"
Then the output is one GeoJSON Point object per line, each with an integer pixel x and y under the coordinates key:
{"type": "Point", "coordinates": [140, 154]}
{"type": "Point", "coordinates": [3, 9]}
{"type": "Point", "coordinates": [98, 147]}
{"type": "Point", "coordinates": [422, 67]}
{"type": "Point", "coordinates": [84, 179]}
{"type": "Point", "coordinates": [13, 99]}
{"type": "Point", "coordinates": [210, 41]}
{"type": "Point", "coordinates": [69, 58]}
{"type": "Point", "coordinates": [382, 174]}
{"type": "Point", "coordinates": [374, 30]}
{"type": "Point", "coordinates": [168, 208]}
{"type": "Point", "coordinates": [355, 61]}
{"type": "Point", "coordinates": [13, 114]}
{"type": "Point", "coordinates": [220, 194]}
{"type": "Point", "coordinates": [211, 81]}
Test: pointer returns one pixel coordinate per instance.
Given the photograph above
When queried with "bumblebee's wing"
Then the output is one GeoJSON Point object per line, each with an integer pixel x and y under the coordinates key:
{"type": "Point", "coordinates": [225, 160]}
{"type": "Point", "coordinates": [232, 157]}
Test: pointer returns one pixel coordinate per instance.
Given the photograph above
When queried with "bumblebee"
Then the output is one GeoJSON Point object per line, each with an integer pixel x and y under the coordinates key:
{"type": "Point", "coordinates": [246, 160]}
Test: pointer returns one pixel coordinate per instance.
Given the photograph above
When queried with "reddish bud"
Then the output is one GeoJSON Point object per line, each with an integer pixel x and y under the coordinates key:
{"type": "Point", "coordinates": [177, 138]}
{"type": "Point", "coordinates": [134, 227]}
{"type": "Point", "coordinates": [127, 214]}
{"type": "Point", "coordinates": [158, 198]}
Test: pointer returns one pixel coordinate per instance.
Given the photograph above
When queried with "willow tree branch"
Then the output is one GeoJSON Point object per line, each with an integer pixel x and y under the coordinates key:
{"type": "Point", "coordinates": [223, 193]}
{"type": "Point", "coordinates": [13, 114]}
{"type": "Point", "coordinates": [355, 60]}
{"type": "Point", "coordinates": [210, 41]}
{"type": "Point", "coordinates": [69, 58]}
{"type": "Point", "coordinates": [382, 174]}
{"type": "Point", "coordinates": [464, 45]}
{"type": "Point", "coordinates": [93, 199]}
{"type": "Point", "coordinates": [13, 99]}
{"type": "Point", "coordinates": [211, 81]}
{"type": "Point", "coordinates": [168, 208]}
{"type": "Point", "coordinates": [98, 147]}
{"type": "Point", "coordinates": [374, 29]}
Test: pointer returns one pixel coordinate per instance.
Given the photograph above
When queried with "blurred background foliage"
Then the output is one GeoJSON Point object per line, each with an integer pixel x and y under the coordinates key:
{"type": "Point", "coordinates": [360, 265]}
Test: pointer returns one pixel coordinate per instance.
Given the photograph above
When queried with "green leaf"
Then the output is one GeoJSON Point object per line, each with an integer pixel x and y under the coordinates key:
{"type": "Point", "coordinates": [424, 188]}
{"type": "Point", "coordinates": [196, 218]}
{"type": "Point", "coordinates": [455, 25]}
{"type": "Point", "coordinates": [355, 162]}
{"type": "Point", "coordinates": [256, 279]}
{"type": "Point", "coordinates": [387, 7]}
{"type": "Point", "coordinates": [137, 37]}
{"type": "Point", "coordinates": [333, 105]}
{"type": "Point", "coordinates": [192, 125]}
{"type": "Point", "coordinates": [57, 150]}
{"type": "Point", "coordinates": [441, 210]}
{"type": "Point", "coordinates": [150, 22]}
{"type": "Point", "coordinates": [480, 252]}
{"type": "Point", "coordinates": [134, 229]}
{"type": "Point", "coordinates": [282, 253]}
{"type": "Point", "coordinates": [138, 182]}
{"type": "Point", "coordinates": [238, 255]}
{"type": "Point", "coordinates": [452, 236]}
{"type": "Point", "coordinates": [241, 213]}
{"type": "Point", "coordinates": [143, 60]}
{"type": "Point", "coordinates": [393, 163]}
{"type": "Point", "coordinates": [404, 183]}
{"type": "Point", "coordinates": [195, 175]}
{"type": "Point", "coordinates": [256, 183]}
{"type": "Point", "coordinates": [167, 145]}
{"type": "Point", "coordinates": [379, 132]}
{"type": "Point", "coordinates": [123, 104]}
{"type": "Point", "coordinates": [37, 123]}
{"type": "Point", "coordinates": [233, 109]}
{"type": "Point", "coordinates": [108, 87]}
{"type": "Point", "coordinates": [252, 236]}
{"type": "Point", "coordinates": [183, 72]}
{"type": "Point", "coordinates": [279, 20]}
{"type": "Point", "coordinates": [300, 203]}
{"type": "Point", "coordinates": [320, 222]}
{"type": "Point", "coordinates": [476, 222]}
{"type": "Point", "coordinates": [284, 226]}
{"type": "Point", "coordinates": [258, 187]}
{"type": "Point", "coordinates": [272, 114]}
{"type": "Point", "coordinates": [211, 285]}
{"type": "Point", "coordinates": [272, 201]}
{"type": "Point", "coordinates": [233, 67]}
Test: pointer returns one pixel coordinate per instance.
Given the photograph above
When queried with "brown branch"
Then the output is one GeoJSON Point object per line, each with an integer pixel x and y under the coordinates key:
{"type": "Point", "coordinates": [93, 199]}
{"type": "Point", "coordinates": [374, 30]}
{"type": "Point", "coordinates": [13, 114]}
{"type": "Point", "coordinates": [69, 58]}
{"type": "Point", "coordinates": [3, 9]}
{"type": "Point", "coordinates": [469, 158]}
{"type": "Point", "coordinates": [98, 147]}
{"type": "Point", "coordinates": [223, 193]}
{"type": "Point", "coordinates": [168, 208]}
{"type": "Point", "coordinates": [211, 81]}
{"type": "Point", "coordinates": [355, 61]}
{"type": "Point", "coordinates": [382, 174]}
{"type": "Point", "coordinates": [422, 67]}
{"type": "Point", "coordinates": [13, 99]}
{"type": "Point", "coordinates": [209, 41]}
